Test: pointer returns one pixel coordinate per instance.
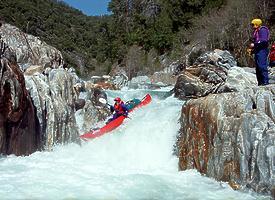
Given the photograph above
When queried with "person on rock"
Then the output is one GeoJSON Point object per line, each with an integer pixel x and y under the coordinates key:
{"type": "Point", "coordinates": [260, 50]}
{"type": "Point", "coordinates": [119, 108]}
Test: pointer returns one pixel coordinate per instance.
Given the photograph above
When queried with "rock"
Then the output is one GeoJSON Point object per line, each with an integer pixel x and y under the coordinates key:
{"type": "Point", "coordinates": [168, 76]}
{"type": "Point", "coordinates": [271, 75]}
{"type": "Point", "coordinates": [79, 104]}
{"type": "Point", "coordinates": [213, 72]}
{"type": "Point", "coordinates": [30, 50]}
{"type": "Point", "coordinates": [234, 185]}
{"type": "Point", "coordinates": [231, 137]}
{"type": "Point", "coordinates": [19, 130]}
{"type": "Point", "coordinates": [93, 112]}
{"type": "Point", "coordinates": [33, 69]}
{"type": "Point", "coordinates": [139, 82]}
{"type": "Point", "coordinates": [90, 86]}
{"type": "Point", "coordinates": [273, 192]}
{"type": "Point", "coordinates": [179, 68]}
{"type": "Point", "coordinates": [237, 80]}
{"type": "Point", "coordinates": [55, 98]}
{"type": "Point", "coordinates": [119, 77]}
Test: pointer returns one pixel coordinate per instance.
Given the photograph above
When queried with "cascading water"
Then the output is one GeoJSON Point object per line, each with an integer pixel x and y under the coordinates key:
{"type": "Point", "coordinates": [135, 161]}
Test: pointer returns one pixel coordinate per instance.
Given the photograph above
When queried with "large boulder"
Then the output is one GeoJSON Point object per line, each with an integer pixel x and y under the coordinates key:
{"type": "Point", "coordinates": [55, 99]}
{"type": "Point", "coordinates": [231, 137]}
{"type": "Point", "coordinates": [20, 133]}
{"type": "Point", "coordinates": [118, 77]}
{"type": "Point", "coordinates": [238, 79]}
{"type": "Point", "coordinates": [30, 50]}
{"type": "Point", "coordinates": [94, 112]}
{"type": "Point", "coordinates": [212, 72]}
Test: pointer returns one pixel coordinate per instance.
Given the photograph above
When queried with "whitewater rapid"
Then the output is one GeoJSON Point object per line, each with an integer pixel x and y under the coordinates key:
{"type": "Point", "coordinates": [133, 162]}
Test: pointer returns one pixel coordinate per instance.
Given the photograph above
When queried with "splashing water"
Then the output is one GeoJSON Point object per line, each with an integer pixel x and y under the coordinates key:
{"type": "Point", "coordinates": [135, 161]}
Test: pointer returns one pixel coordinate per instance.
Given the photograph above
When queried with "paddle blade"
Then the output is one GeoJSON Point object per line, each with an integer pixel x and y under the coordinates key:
{"type": "Point", "coordinates": [102, 100]}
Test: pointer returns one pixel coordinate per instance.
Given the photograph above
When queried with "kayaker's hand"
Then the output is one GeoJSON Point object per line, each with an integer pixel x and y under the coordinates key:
{"type": "Point", "coordinates": [112, 109]}
{"type": "Point", "coordinates": [251, 45]}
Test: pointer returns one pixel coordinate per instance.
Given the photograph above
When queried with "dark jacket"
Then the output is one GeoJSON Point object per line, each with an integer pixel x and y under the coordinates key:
{"type": "Point", "coordinates": [119, 108]}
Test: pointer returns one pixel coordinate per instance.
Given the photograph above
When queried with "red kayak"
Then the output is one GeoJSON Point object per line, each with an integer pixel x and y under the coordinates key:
{"type": "Point", "coordinates": [115, 123]}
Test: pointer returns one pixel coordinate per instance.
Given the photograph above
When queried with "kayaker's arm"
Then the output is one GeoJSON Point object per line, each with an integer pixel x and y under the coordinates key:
{"type": "Point", "coordinates": [125, 110]}
{"type": "Point", "coordinates": [112, 109]}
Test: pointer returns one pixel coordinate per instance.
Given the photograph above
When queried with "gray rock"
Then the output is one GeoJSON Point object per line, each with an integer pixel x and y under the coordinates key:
{"type": "Point", "coordinates": [213, 72]}
{"type": "Point", "coordinates": [237, 80]}
{"type": "Point", "coordinates": [231, 137]}
{"type": "Point", "coordinates": [30, 50]}
{"type": "Point", "coordinates": [93, 112]}
{"type": "Point", "coordinates": [54, 98]}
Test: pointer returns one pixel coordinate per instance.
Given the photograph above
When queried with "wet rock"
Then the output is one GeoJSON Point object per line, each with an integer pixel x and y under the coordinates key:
{"type": "Point", "coordinates": [79, 104]}
{"type": "Point", "coordinates": [55, 98]}
{"type": "Point", "coordinates": [20, 133]}
{"type": "Point", "coordinates": [94, 112]}
{"type": "Point", "coordinates": [231, 137]}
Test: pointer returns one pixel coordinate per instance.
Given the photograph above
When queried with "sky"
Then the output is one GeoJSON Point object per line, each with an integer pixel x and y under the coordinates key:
{"type": "Point", "coordinates": [90, 7]}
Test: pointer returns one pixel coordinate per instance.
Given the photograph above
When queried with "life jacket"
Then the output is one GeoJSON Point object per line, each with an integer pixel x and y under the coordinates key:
{"type": "Point", "coordinates": [118, 107]}
{"type": "Point", "coordinates": [272, 56]}
{"type": "Point", "coordinates": [256, 35]}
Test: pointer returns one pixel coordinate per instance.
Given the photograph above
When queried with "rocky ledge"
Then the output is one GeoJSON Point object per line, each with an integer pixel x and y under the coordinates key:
{"type": "Point", "coordinates": [227, 124]}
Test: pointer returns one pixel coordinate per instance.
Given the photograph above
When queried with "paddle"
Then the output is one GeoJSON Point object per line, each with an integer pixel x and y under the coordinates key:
{"type": "Point", "coordinates": [104, 101]}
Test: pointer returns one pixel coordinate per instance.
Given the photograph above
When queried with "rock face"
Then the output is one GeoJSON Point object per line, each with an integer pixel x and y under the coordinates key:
{"type": "Point", "coordinates": [119, 77]}
{"type": "Point", "coordinates": [55, 99]}
{"type": "Point", "coordinates": [231, 137]}
{"type": "Point", "coordinates": [29, 50]}
{"type": "Point", "coordinates": [40, 114]}
{"type": "Point", "coordinates": [228, 136]}
{"type": "Point", "coordinates": [209, 75]}
{"type": "Point", "coordinates": [20, 133]}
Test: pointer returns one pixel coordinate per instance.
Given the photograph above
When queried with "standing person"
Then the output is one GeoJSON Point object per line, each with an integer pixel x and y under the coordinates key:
{"type": "Point", "coordinates": [260, 49]}
{"type": "Point", "coordinates": [272, 56]}
{"type": "Point", "coordinates": [119, 108]}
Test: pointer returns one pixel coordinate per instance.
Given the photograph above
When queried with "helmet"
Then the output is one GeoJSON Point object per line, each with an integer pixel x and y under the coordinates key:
{"type": "Point", "coordinates": [256, 22]}
{"type": "Point", "coordinates": [117, 99]}
{"type": "Point", "coordinates": [273, 46]}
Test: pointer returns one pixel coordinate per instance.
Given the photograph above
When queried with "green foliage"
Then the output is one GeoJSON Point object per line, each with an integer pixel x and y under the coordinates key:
{"type": "Point", "coordinates": [151, 24]}
{"type": "Point", "coordinates": [59, 25]}
{"type": "Point", "coordinates": [154, 24]}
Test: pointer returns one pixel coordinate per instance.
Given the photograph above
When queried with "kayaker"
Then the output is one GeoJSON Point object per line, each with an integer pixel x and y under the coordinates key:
{"type": "Point", "coordinates": [119, 108]}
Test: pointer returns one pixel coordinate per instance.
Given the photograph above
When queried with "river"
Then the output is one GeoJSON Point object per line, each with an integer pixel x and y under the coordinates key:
{"type": "Point", "coordinates": [134, 162]}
